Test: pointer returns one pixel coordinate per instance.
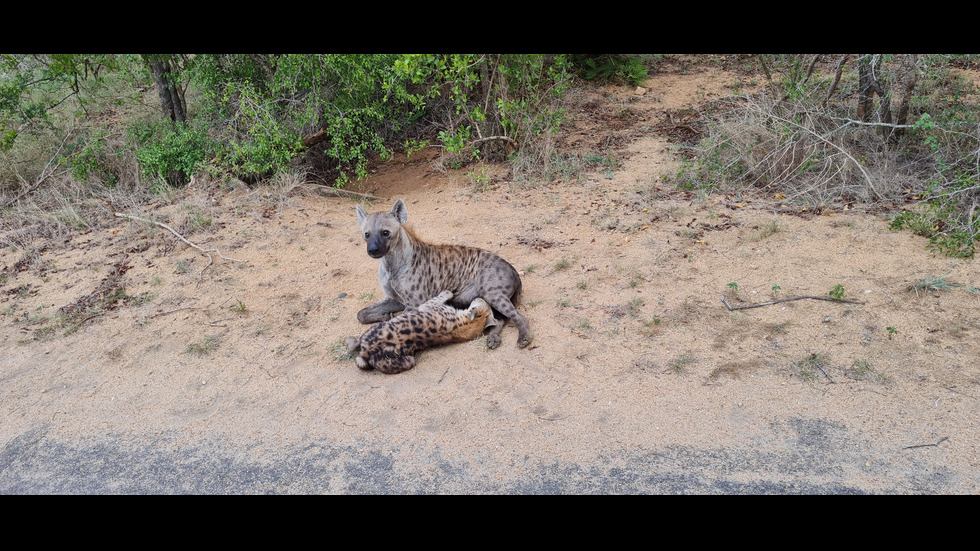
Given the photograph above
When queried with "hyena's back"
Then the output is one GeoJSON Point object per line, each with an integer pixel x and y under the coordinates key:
{"type": "Point", "coordinates": [467, 272]}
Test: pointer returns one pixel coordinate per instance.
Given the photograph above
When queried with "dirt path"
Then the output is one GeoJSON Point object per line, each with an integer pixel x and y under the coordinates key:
{"type": "Point", "coordinates": [639, 378]}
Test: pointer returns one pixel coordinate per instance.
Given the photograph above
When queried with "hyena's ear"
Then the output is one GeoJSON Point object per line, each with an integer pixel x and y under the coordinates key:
{"type": "Point", "coordinates": [400, 212]}
{"type": "Point", "coordinates": [491, 321]}
{"type": "Point", "coordinates": [361, 215]}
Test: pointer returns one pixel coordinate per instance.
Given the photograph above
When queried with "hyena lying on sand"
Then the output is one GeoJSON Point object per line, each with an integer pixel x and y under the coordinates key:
{"type": "Point", "coordinates": [390, 346]}
{"type": "Point", "coordinates": [412, 271]}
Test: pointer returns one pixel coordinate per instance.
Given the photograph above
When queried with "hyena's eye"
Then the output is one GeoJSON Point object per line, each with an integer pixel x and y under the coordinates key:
{"type": "Point", "coordinates": [385, 233]}
{"type": "Point", "coordinates": [367, 234]}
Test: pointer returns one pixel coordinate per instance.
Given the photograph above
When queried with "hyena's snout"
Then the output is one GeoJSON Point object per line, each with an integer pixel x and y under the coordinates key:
{"type": "Point", "coordinates": [376, 250]}
{"type": "Point", "coordinates": [377, 245]}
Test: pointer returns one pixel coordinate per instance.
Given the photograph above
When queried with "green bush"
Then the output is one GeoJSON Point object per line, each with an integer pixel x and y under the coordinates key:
{"type": "Point", "coordinates": [631, 69]}
{"type": "Point", "coordinates": [262, 108]}
{"type": "Point", "coordinates": [171, 152]}
{"type": "Point", "coordinates": [90, 159]}
{"type": "Point", "coordinates": [489, 105]}
{"type": "Point", "coordinates": [251, 115]}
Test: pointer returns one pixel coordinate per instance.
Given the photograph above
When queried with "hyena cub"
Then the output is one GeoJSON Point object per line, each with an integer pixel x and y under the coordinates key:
{"type": "Point", "coordinates": [390, 346]}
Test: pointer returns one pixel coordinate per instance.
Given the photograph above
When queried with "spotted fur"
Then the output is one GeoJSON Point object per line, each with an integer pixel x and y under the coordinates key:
{"type": "Point", "coordinates": [411, 271]}
{"type": "Point", "coordinates": [390, 346]}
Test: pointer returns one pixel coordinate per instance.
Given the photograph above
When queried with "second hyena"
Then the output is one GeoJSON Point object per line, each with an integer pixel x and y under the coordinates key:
{"type": "Point", "coordinates": [390, 346]}
{"type": "Point", "coordinates": [412, 271]}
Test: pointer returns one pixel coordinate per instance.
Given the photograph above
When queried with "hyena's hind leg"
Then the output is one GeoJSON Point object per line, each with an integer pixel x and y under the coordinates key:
{"type": "Point", "coordinates": [394, 364]}
{"type": "Point", "coordinates": [502, 304]}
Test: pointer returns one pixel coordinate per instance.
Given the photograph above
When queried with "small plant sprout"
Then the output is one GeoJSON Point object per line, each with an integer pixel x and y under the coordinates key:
{"type": "Point", "coordinates": [770, 228]}
{"type": "Point", "coordinates": [891, 331]}
{"type": "Point", "coordinates": [837, 293]}
{"type": "Point", "coordinates": [775, 289]}
{"type": "Point", "coordinates": [733, 286]}
{"type": "Point", "coordinates": [562, 264]}
{"type": "Point", "coordinates": [808, 367]}
{"type": "Point", "coordinates": [633, 308]}
{"type": "Point", "coordinates": [681, 363]}
{"type": "Point", "coordinates": [239, 307]}
{"type": "Point", "coordinates": [204, 347]}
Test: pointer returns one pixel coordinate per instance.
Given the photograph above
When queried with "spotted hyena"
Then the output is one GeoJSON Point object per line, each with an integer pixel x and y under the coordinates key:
{"type": "Point", "coordinates": [390, 346]}
{"type": "Point", "coordinates": [412, 271]}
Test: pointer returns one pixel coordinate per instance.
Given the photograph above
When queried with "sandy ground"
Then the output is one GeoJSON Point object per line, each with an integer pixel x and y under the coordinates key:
{"type": "Point", "coordinates": [234, 379]}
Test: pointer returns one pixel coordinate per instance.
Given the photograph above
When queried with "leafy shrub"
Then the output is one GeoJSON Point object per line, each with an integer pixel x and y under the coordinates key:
{"type": "Point", "coordinates": [489, 106]}
{"type": "Point", "coordinates": [171, 152]}
{"type": "Point", "coordinates": [90, 159]}
{"type": "Point", "coordinates": [265, 110]}
{"type": "Point", "coordinates": [631, 69]}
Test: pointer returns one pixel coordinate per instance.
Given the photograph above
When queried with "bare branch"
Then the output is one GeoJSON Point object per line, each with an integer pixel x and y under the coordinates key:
{"type": "Point", "coordinates": [863, 170]}
{"type": "Point", "coordinates": [760, 304]}
{"type": "Point", "coordinates": [837, 75]}
{"type": "Point", "coordinates": [181, 237]}
{"type": "Point", "coordinates": [46, 172]}
{"type": "Point", "coordinates": [936, 443]}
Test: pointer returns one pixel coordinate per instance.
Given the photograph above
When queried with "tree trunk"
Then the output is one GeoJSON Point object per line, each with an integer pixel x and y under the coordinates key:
{"type": "Point", "coordinates": [865, 89]}
{"type": "Point", "coordinates": [871, 82]}
{"type": "Point", "coordinates": [171, 98]}
{"type": "Point", "coordinates": [911, 78]}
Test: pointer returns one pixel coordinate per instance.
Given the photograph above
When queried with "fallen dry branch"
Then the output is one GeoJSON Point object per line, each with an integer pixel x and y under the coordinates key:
{"type": "Point", "coordinates": [181, 237]}
{"type": "Point", "coordinates": [936, 444]}
{"type": "Point", "coordinates": [328, 191]}
{"type": "Point", "coordinates": [177, 310]}
{"type": "Point", "coordinates": [758, 304]}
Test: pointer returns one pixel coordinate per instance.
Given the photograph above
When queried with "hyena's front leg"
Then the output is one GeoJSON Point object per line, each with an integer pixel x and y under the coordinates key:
{"type": "Point", "coordinates": [381, 311]}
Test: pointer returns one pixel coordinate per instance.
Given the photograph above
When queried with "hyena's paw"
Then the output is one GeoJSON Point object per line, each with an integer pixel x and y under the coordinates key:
{"type": "Point", "coordinates": [353, 344]}
{"type": "Point", "coordinates": [493, 341]}
{"type": "Point", "coordinates": [524, 341]}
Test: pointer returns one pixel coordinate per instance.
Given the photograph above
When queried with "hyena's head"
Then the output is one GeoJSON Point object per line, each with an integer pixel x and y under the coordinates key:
{"type": "Point", "coordinates": [471, 323]}
{"type": "Point", "coordinates": [382, 229]}
{"type": "Point", "coordinates": [481, 312]}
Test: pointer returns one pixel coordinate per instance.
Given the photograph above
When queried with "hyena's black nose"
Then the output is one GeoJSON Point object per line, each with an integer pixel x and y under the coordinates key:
{"type": "Point", "coordinates": [376, 249]}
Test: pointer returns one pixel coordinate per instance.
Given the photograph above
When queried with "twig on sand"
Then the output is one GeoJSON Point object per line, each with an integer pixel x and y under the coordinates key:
{"type": "Point", "coordinates": [822, 370]}
{"type": "Point", "coordinates": [936, 443]}
{"type": "Point", "coordinates": [328, 191]}
{"type": "Point", "coordinates": [158, 314]}
{"type": "Point", "coordinates": [758, 304]}
{"type": "Point", "coordinates": [181, 237]}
